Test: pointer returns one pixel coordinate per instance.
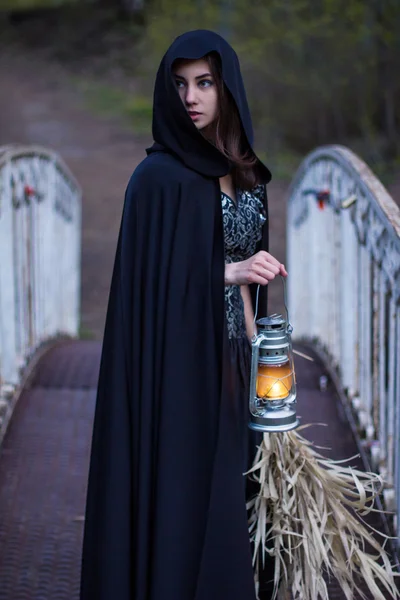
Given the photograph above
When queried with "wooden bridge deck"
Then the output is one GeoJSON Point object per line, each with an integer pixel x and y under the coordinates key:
{"type": "Point", "coordinates": [44, 464]}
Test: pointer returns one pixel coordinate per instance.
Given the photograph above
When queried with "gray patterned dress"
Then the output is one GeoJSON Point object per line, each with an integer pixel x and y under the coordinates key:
{"type": "Point", "coordinates": [243, 219]}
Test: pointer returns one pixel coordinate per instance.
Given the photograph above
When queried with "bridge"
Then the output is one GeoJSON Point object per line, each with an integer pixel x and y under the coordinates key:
{"type": "Point", "coordinates": [343, 232]}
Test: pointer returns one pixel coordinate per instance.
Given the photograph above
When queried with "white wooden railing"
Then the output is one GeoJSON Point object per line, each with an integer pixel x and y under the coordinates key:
{"type": "Point", "coordinates": [40, 237]}
{"type": "Point", "coordinates": [344, 251]}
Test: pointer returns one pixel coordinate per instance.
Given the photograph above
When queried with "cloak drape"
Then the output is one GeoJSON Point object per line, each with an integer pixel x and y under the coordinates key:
{"type": "Point", "coordinates": [165, 514]}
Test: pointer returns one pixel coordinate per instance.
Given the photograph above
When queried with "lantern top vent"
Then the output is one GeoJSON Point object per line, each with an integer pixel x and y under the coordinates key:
{"type": "Point", "coordinates": [274, 321]}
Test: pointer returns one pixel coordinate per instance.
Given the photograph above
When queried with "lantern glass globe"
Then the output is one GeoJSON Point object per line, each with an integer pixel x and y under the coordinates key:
{"type": "Point", "coordinates": [274, 382]}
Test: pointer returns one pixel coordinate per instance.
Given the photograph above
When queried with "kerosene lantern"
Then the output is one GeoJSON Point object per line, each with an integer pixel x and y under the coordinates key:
{"type": "Point", "coordinates": [272, 380]}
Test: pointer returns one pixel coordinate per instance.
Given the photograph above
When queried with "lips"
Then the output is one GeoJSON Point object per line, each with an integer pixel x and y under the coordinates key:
{"type": "Point", "coordinates": [193, 114]}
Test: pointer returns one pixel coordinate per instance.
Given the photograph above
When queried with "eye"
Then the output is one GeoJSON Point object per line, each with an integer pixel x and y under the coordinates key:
{"type": "Point", "coordinates": [206, 83]}
{"type": "Point", "coordinates": [179, 83]}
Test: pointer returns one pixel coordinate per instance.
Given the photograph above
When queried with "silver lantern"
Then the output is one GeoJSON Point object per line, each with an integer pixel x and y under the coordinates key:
{"type": "Point", "coordinates": [272, 379]}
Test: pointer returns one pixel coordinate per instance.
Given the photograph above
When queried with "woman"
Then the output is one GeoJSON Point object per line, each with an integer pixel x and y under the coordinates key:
{"type": "Point", "coordinates": [166, 514]}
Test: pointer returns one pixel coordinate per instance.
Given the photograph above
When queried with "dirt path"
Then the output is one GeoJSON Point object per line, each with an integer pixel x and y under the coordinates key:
{"type": "Point", "coordinates": [42, 106]}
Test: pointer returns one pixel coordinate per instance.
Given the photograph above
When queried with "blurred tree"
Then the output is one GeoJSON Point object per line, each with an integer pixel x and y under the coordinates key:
{"type": "Point", "coordinates": [387, 16]}
{"type": "Point", "coordinates": [323, 71]}
{"type": "Point", "coordinates": [30, 5]}
{"type": "Point", "coordinates": [132, 7]}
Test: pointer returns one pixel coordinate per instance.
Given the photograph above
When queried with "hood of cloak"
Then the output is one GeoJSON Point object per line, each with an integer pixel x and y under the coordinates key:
{"type": "Point", "coordinates": [174, 130]}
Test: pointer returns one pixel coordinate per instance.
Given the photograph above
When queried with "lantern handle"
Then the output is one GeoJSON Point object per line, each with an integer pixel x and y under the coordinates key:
{"type": "Point", "coordinates": [289, 327]}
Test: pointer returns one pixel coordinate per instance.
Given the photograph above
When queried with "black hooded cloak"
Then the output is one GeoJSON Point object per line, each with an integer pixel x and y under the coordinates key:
{"type": "Point", "coordinates": [165, 514]}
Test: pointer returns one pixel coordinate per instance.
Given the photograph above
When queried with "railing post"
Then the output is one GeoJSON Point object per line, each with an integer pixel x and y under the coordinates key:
{"type": "Point", "coordinates": [8, 350]}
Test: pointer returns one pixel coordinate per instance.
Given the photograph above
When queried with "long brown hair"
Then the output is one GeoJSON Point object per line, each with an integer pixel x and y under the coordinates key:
{"type": "Point", "coordinates": [227, 134]}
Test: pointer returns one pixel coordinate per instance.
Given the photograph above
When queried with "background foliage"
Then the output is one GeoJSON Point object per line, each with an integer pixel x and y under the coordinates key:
{"type": "Point", "coordinates": [316, 71]}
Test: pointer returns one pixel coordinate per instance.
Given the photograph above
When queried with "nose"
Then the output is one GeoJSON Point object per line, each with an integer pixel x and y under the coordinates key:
{"type": "Point", "coordinates": [191, 96]}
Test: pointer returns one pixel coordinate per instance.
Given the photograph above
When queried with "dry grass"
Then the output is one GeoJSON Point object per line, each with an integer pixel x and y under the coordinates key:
{"type": "Point", "coordinates": [307, 515]}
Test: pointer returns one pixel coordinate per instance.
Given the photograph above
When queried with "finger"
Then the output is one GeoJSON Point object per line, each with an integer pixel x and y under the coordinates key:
{"type": "Point", "coordinates": [270, 275]}
{"type": "Point", "coordinates": [272, 267]}
{"type": "Point", "coordinates": [283, 271]}
{"type": "Point", "coordinates": [258, 279]}
{"type": "Point", "coordinates": [272, 259]}
{"type": "Point", "coordinates": [260, 275]}
{"type": "Point", "coordinates": [267, 274]}
{"type": "Point", "coordinates": [265, 256]}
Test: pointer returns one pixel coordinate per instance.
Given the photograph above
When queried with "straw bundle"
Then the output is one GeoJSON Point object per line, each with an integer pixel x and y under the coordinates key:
{"type": "Point", "coordinates": [301, 517]}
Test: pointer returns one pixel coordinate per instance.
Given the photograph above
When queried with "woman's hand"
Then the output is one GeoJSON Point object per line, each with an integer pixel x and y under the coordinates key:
{"type": "Point", "coordinates": [260, 268]}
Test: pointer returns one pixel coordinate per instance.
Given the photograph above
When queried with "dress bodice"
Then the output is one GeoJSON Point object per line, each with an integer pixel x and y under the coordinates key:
{"type": "Point", "coordinates": [243, 218]}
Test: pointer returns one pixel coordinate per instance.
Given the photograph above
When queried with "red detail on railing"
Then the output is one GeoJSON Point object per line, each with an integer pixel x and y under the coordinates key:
{"type": "Point", "coordinates": [322, 198]}
{"type": "Point", "coordinates": [29, 191]}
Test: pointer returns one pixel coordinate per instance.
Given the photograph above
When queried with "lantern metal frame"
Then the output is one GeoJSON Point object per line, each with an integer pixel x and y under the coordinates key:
{"type": "Point", "coordinates": [274, 415]}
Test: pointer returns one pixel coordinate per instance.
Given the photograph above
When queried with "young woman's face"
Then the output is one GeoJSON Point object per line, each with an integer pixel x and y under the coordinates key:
{"type": "Point", "coordinates": [198, 91]}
